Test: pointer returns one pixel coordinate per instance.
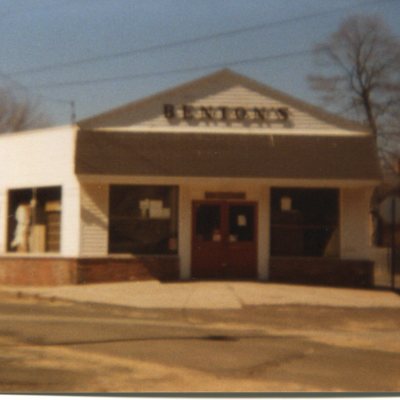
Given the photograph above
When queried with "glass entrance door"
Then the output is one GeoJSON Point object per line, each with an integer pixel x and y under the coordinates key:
{"type": "Point", "coordinates": [224, 242]}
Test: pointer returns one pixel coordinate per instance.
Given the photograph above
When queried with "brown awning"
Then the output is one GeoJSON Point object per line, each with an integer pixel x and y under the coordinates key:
{"type": "Point", "coordinates": [227, 155]}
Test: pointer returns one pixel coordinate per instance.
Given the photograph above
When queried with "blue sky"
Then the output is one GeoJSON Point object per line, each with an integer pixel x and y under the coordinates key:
{"type": "Point", "coordinates": [39, 33]}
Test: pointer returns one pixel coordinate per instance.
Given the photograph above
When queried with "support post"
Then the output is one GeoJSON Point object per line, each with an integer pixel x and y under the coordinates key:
{"type": "Point", "coordinates": [393, 269]}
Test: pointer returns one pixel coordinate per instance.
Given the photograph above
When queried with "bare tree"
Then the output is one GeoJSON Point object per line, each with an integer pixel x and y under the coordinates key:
{"type": "Point", "coordinates": [361, 77]}
{"type": "Point", "coordinates": [18, 112]}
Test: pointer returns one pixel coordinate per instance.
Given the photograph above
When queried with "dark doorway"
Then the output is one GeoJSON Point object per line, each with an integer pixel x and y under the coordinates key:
{"type": "Point", "coordinates": [224, 240]}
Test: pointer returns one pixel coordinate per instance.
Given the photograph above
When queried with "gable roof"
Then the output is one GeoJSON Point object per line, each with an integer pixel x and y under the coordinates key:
{"type": "Point", "coordinates": [122, 116]}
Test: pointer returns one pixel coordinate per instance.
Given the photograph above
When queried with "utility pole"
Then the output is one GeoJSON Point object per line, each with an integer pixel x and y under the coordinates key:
{"type": "Point", "coordinates": [73, 112]}
{"type": "Point", "coordinates": [394, 226]}
{"type": "Point", "coordinates": [389, 211]}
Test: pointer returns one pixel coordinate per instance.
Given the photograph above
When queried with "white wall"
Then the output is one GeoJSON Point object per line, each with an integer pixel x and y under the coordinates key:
{"type": "Point", "coordinates": [39, 158]}
{"type": "Point", "coordinates": [94, 220]}
{"type": "Point", "coordinates": [70, 220]}
{"type": "Point", "coordinates": [355, 232]}
{"type": "Point", "coordinates": [3, 220]}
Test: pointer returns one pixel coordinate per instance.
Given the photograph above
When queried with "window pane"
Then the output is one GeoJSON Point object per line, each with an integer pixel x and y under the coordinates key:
{"type": "Point", "coordinates": [143, 219]}
{"type": "Point", "coordinates": [304, 222]}
{"type": "Point", "coordinates": [208, 222]}
{"type": "Point", "coordinates": [241, 223]}
{"type": "Point", "coordinates": [34, 220]}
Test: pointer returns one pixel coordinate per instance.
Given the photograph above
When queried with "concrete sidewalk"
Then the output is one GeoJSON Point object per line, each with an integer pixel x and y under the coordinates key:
{"type": "Point", "coordinates": [211, 295]}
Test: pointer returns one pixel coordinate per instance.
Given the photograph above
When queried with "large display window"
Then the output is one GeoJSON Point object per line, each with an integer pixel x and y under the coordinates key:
{"type": "Point", "coordinates": [304, 222]}
{"type": "Point", "coordinates": [143, 219]}
{"type": "Point", "coordinates": [34, 220]}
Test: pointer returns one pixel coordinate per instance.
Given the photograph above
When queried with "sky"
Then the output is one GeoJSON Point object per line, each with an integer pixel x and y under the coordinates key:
{"type": "Point", "coordinates": [101, 54]}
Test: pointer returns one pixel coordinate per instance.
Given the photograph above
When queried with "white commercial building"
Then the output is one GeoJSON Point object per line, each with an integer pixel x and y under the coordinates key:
{"type": "Point", "coordinates": [219, 178]}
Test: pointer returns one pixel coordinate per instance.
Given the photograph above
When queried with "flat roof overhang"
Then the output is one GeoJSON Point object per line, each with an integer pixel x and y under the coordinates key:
{"type": "Point", "coordinates": [227, 155]}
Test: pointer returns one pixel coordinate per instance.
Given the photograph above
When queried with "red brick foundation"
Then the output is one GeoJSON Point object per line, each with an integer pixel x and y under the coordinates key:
{"type": "Point", "coordinates": [140, 268]}
{"type": "Point", "coordinates": [37, 271]}
{"type": "Point", "coordinates": [322, 271]}
{"type": "Point", "coordinates": [64, 271]}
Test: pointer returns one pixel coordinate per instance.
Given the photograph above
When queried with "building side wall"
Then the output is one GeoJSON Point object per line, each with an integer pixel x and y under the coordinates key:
{"type": "Point", "coordinates": [94, 220]}
{"type": "Point", "coordinates": [3, 219]}
{"type": "Point", "coordinates": [42, 158]}
{"type": "Point", "coordinates": [37, 158]}
{"type": "Point", "coordinates": [354, 223]}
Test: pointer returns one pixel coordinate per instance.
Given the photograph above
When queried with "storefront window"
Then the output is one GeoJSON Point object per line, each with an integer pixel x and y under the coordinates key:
{"type": "Point", "coordinates": [208, 222]}
{"type": "Point", "coordinates": [143, 219]}
{"type": "Point", "coordinates": [34, 220]}
{"type": "Point", "coordinates": [304, 222]}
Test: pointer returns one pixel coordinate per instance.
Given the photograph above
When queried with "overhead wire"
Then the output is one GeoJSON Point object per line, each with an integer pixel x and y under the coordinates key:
{"type": "Point", "coordinates": [198, 39]}
{"type": "Point", "coordinates": [172, 71]}
{"type": "Point", "coordinates": [164, 46]}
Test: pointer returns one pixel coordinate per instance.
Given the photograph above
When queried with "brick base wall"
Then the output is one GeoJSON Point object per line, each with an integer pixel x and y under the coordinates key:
{"type": "Point", "coordinates": [26, 271]}
{"type": "Point", "coordinates": [140, 268]}
{"type": "Point", "coordinates": [330, 272]}
{"type": "Point", "coordinates": [63, 271]}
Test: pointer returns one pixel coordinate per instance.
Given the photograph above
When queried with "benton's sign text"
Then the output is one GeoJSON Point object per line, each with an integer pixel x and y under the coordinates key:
{"type": "Point", "coordinates": [221, 113]}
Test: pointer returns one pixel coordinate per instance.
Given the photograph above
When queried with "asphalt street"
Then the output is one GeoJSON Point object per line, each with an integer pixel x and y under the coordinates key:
{"type": "Point", "coordinates": [58, 346]}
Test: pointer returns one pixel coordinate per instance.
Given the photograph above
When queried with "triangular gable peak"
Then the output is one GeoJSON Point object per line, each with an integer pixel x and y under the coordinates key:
{"type": "Point", "coordinates": [219, 103]}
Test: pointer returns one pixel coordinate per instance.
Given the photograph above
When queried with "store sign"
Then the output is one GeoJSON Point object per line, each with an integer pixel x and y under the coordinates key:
{"type": "Point", "coordinates": [225, 195]}
{"type": "Point", "coordinates": [228, 114]}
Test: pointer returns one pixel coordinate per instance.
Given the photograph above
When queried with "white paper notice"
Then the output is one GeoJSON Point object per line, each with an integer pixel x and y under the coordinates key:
{"type": "Point", "coordinates": [156, 207]}
{"type": "Point", "coordinates": [242, 220]}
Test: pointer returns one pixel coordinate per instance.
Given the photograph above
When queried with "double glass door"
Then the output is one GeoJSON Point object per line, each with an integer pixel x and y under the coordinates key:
{"type": "Point", "coordinates": [224, 240]}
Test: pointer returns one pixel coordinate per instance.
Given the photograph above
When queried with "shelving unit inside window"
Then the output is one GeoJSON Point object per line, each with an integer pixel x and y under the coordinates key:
{"type": "Point", "coordinates": [143, 219]}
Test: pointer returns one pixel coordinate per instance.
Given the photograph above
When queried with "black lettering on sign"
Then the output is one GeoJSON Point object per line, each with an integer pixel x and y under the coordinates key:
{"type": "Point", "coordinates": [240, 113]}
{"type": "Point", "coordinates": [208, 113]}
{"type": "Point", "coordinates": [259, 114]}
{"type": "Point", "coordinates": [283, 112]}
{"type": "Point", "coordinates": [188, 112]}
{"type": "Point", "coordinates": [223, 113]}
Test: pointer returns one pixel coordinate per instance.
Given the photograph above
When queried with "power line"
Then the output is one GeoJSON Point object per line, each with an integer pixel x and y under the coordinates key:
{"type": "Point", "coordinates": [232, 32]}
{"type": "Point", "coordinates": [172, 71]}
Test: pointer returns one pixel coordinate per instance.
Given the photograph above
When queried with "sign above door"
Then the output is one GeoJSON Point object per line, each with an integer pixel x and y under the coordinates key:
{"type": "Point", "coordinates": [225, 195]}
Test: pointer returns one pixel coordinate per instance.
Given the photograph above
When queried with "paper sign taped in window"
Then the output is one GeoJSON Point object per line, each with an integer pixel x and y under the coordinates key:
{"type": "Point", "coordinates": [241, 220]}
{"type": "Point", "coordinates": [156, 209]}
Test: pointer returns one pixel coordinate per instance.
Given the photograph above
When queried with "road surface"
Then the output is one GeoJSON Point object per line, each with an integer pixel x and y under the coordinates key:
{"type": "Point", "coordinates": [55, 346]}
